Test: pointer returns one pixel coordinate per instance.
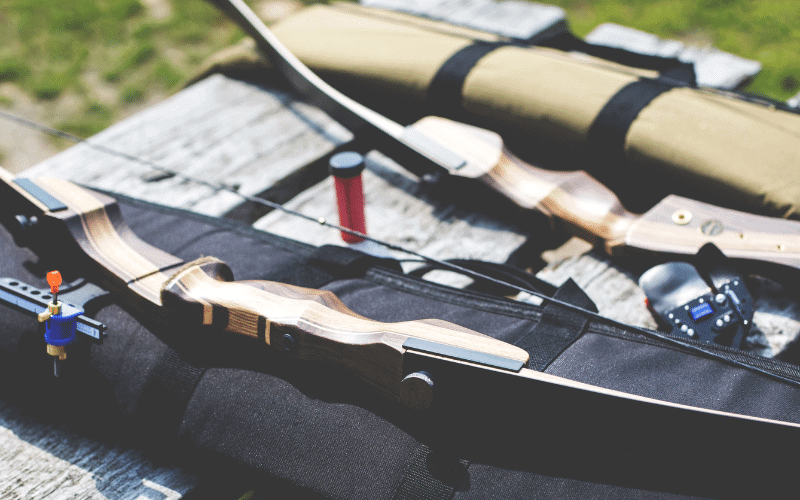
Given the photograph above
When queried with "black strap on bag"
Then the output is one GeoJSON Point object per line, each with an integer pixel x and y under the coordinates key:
{"type": "Point", "coordinates": [447, 87]}
{"type": "Point", "coordinates": [328, 263]}
{"type": "Point", "coordinates": [445, 92]}
{"type": "Point", "coordinates": [606, 137]}
{"type": "Point", "coordinates": [558, 328]}
{"type": "Point", "coordinates": [431, 476]}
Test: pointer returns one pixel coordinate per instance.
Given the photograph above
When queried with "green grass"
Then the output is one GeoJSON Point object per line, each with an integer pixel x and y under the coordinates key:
{"type": "Point", "coordinates": [48, 48]}
{"type": "Point", "coordinates": [766, 31]}
{"type": "Point", "coordinates": [134, 57]}
{"type": "Point", "coordinates": [12, 69]}
{"type": "Point", "coordinates": [132, 94]}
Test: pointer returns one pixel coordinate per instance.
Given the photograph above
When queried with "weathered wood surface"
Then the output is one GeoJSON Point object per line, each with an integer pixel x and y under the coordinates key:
{"type": "Point", "coordinates": [399, 211]}
{"type": "Point", "coordinates": [713, 67]}
{"type": "Point", "coordinates": [220, 130]}
{"type": "Point", "coordinates": [39, 461]}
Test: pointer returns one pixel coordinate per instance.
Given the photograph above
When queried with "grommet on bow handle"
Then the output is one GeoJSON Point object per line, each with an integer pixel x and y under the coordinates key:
{"type": "Point", "coordinates": [416, 390]}
{"type": "Point", "coordinates": [346, 170]}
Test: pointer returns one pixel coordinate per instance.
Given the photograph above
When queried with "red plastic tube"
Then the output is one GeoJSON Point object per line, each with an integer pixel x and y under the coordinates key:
{"type": "Point", "coordinates": [346, 170]}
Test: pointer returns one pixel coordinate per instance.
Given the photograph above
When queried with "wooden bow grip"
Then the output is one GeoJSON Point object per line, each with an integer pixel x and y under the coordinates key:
{"type": "Point", "coordinates": [589, 208]}
{"type": "Point", "coordinates": [312, 324]}
{"type": "Point", "coordinates": [676, 225]}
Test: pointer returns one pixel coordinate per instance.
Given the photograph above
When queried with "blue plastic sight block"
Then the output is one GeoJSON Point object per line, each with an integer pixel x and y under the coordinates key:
{"type": "Point", "coordinates": [60, 328]}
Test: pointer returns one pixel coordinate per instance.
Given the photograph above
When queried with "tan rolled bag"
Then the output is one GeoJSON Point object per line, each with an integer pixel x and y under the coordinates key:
{"type": "Point", "coordinates": [640, 134]}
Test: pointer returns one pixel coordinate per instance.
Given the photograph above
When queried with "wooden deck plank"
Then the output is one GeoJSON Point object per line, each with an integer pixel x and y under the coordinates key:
{"type": "Point", "coordinates": [219, 129]}
{"type": "Point", "coordinates": [398, 210]}
{"type": "Point", "coordinates": [39, 462]}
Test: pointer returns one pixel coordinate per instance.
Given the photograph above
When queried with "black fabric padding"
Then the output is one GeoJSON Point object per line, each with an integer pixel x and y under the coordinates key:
{"type": "Point", "coordinates": [682, 378]}
{"type": "Point", "coordinates": [300, 432]}
{"type": "Point", "coordinates": [164, 397]}
{"type": "Point", "coordinates": [558, 328]}
{"type": "Point", "coordinates": [556, 482]}
{"type": "Point", "coordinates": [606, 138]}
{"type": "Point", "coordinates": [267, 257]}
{"type": "Point", "coordinates": [501, 318]}
{"type": "Point", "coordinates": [431, 477]}
{"type": "Point", "coordinates": [445, 90]}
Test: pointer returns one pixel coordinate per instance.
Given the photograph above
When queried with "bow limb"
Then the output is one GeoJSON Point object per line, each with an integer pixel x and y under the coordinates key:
{"type": "Point", "coordinates": [588, 209]}
{"type": "Point", "coordinates": [401, 361]}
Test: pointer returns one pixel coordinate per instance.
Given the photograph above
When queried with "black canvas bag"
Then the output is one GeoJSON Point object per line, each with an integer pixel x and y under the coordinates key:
{"type": "Point", "coordinates": [249, 418]}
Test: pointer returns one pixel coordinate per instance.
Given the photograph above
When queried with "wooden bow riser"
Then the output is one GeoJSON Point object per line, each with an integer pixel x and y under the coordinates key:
{"type": "Point", "coordinates": [314, 325]}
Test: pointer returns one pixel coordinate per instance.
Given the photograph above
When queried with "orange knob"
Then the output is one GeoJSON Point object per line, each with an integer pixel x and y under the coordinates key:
{"type": "Point", "coordinates": [54, 280]}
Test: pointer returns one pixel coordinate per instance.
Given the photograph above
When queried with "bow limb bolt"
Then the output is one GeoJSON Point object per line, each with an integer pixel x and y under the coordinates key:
{"type": "Point", "coordinates": [423, 363]}
{"type": "Point", "coordinates": [439, 146]}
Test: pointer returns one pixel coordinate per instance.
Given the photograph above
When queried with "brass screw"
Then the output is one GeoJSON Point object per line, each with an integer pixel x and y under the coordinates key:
{"type": "Point", "coordinates": [51, 310]}
{"type": "Point", "coordinates": [57, 351]}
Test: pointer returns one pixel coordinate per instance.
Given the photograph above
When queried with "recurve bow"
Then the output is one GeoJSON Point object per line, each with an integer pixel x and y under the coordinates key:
{"type": "Point", "coordinates": [439, 147]}
{"type": "Point", "coordinates": [425, 364]}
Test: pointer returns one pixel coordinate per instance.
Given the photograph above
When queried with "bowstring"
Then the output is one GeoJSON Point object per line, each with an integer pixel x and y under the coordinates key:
{"type": "Point", "coordinates": [676, 341]}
